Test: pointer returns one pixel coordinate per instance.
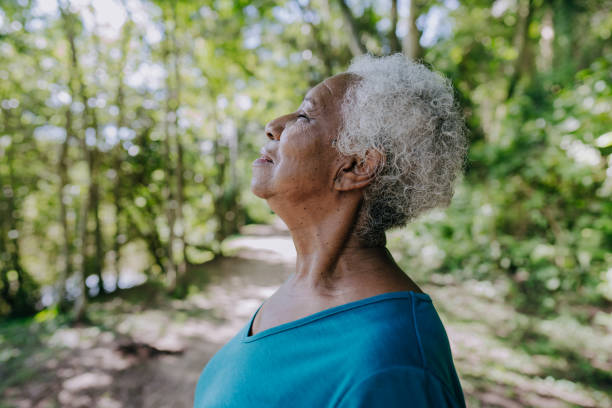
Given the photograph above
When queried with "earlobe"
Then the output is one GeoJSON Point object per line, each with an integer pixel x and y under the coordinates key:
{"type": "Point", "coordinates": [358, 173]}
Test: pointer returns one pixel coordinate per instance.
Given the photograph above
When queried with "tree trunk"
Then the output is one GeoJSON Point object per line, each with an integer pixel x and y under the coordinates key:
{"type": "Point", "coordinates": [180, 172]}
{"type": "Point", "coordinates": [118, 239]}
{"type": "Point", "coordinates": [63, 174]}
{"type": "Point", "coordinates": [226, 199]}
{"type": "Point", "coordinates": [320, 45]}
{"type": "Point", "coordinates": [564, 64]}
{"type": "Point", "coordinates": [80, 305]}
{"type": "Point", "coordinates": [524, 60]}
{"type": "Point", "coordinates": [118, 154]}
{"type": "Point", "coordinates": [22, 300]}
{"type": "Point", "coordinates": [355, 44]}
{"type": "Point", "coordinates": [76, 81]}
{"type": "Point", "coordinates": [394, 42]}
{"type": "Point", "coordinates": [95, 207]}
{"type": "Point", "coordinates": [94, 185]}
{"type": "Point", "coordinates": [545, 55]}
{"type": "Point", "coordinates": [411, 46]}
{"type": "Point", "coordinates": [148, 233]}
{"type": "Point", "coordinates": [169, 122]}
{"type": "Point", "coordinates": [220, 197]}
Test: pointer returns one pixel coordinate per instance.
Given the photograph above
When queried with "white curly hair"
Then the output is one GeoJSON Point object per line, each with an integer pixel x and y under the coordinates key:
{"type": "Point", "coordinates": [408, 113]}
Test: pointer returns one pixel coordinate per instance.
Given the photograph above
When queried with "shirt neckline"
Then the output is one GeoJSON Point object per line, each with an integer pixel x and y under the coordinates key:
{"type": "Point", "coordinates": [245, 338]}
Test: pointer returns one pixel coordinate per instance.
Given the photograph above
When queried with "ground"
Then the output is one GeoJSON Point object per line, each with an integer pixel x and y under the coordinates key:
{"type": "Point", "coordinates": [144, 350]}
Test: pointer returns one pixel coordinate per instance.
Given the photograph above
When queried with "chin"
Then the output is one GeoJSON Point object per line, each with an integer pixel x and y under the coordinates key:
{"type": "Point", "coordinates": [259, 189]}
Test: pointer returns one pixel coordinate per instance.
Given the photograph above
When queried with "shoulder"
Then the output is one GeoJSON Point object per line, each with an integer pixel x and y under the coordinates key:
{"type": "Point", "coordinates": [392, 331]}
{"type": "Point", "coordinates": [406, 343]}
{"type": "Point", "coordinates": [400, 386]}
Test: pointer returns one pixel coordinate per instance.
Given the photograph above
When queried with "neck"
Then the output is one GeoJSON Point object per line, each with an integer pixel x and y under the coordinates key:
{"type": "Point", "coordinates": [331, 259]}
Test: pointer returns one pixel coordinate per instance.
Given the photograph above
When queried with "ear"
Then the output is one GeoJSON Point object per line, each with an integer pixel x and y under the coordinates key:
{"type": "Point", "coordinates": [358, 173]}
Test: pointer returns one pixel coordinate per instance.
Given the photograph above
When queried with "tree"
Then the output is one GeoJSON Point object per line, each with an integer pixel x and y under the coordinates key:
{"type": "Point", "coordinates": [411, 47]}
{"type": "Point", "coordinates": [78, 92]}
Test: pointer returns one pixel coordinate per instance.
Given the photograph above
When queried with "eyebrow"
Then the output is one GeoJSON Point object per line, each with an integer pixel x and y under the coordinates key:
{"type": "Point", "coordinates": [309, 100]}
{"type": "Point", "coordinates": [328, 88]}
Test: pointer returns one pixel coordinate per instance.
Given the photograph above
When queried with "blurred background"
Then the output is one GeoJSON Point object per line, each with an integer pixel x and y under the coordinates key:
{"type": "Point", "coordinates": [131, 248]}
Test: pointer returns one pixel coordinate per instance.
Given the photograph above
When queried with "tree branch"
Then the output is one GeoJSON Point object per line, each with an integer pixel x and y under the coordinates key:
{"type": "Point", "coordinates": [355, 44]}
{"type": "Point", "coordinates": [394, 42]}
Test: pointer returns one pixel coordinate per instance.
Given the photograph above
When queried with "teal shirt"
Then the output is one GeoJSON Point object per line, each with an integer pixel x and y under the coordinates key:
{"type": "Point", "coordinates": [388, 350]}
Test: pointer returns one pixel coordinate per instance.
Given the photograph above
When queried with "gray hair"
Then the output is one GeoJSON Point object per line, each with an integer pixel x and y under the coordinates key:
{"type": "Point", "coordinates": [407, 113]}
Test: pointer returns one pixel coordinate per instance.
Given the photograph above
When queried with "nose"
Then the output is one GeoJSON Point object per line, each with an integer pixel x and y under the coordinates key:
{"type": "Point", "coordinates": [275, 127]}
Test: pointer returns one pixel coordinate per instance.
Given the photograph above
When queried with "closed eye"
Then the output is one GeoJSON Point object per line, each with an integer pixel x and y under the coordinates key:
{"type": "Point", "coordinates": [303, 116]}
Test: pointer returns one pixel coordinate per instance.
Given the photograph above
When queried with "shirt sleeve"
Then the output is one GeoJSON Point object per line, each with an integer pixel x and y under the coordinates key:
{"type": "Point", "coordinates": [398, 387]}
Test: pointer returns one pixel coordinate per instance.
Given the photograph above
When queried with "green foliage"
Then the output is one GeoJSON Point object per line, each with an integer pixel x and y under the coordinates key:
{"type": "Point", "coordinates": [128, 128]}
{"type": "Point", "coordinates": [116, 130]}
{"type": "Point", "coordinates": [534, 207]}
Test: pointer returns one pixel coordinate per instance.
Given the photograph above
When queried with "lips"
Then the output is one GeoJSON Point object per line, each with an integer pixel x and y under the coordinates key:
{"type": "Point", "coordinates": [263, 160]}
{"type": "Point", "coordinates": [266, 158]}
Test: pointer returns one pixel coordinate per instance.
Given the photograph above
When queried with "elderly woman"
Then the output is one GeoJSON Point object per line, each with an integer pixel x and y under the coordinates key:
{"type": "Point", "coordinates": [367, 150]}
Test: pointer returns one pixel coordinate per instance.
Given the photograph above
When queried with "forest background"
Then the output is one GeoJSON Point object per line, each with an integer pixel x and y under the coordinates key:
{"type": "Point", "coordinates": [128, 127]}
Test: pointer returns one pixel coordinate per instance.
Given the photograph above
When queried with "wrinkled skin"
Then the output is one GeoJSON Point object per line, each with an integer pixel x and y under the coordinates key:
{"type": "Point", "coordinates": [318, 193]}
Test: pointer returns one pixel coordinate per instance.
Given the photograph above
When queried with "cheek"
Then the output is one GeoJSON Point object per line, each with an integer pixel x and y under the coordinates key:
{"type": "Point", "coordinates": [305, 159]}
{"type": "Point", "coordinates": [304, 174]}
{"type": "Point", "coordinates": [301, 161]}
{"type": "Point", "coordinates": [304, 145]}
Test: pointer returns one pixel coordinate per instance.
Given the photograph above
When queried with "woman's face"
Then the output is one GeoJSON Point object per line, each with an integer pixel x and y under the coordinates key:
{"type": "Point", "coordinates": [299, 162]}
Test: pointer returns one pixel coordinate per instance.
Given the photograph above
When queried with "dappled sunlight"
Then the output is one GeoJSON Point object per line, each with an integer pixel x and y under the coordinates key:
{"type": "Point", "coordinates": [132, 248]}
{"type": "Point", "coordinates": [233, 301]}
{"type": "Point", "coordinates": [474, 346]}
{"type": "Point", "coordinates": [83, 337]}
{"type": "Point", "coordinates": [87, 380]}
{"type": "Point", "coordinates": [567, 333]}
{"type": "Point", "coordinates": [209, 331]}
{"type": "Point", "coordinates": [163, 347]}
{"type": "Point", "coordinates": [101, 357]}
{"type": "Point", "coordinates": [490, 341]}
{"type": "Point", "coordinates": [471, 302]}
{"type": "Point", "coordinates": [267, 249]}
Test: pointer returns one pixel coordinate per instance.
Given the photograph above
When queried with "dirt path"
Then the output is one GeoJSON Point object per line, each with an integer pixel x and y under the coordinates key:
{"type": "Point", "coordinates": [239, 285]}
{"type": "Point", "coordinates": [149, 352]}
